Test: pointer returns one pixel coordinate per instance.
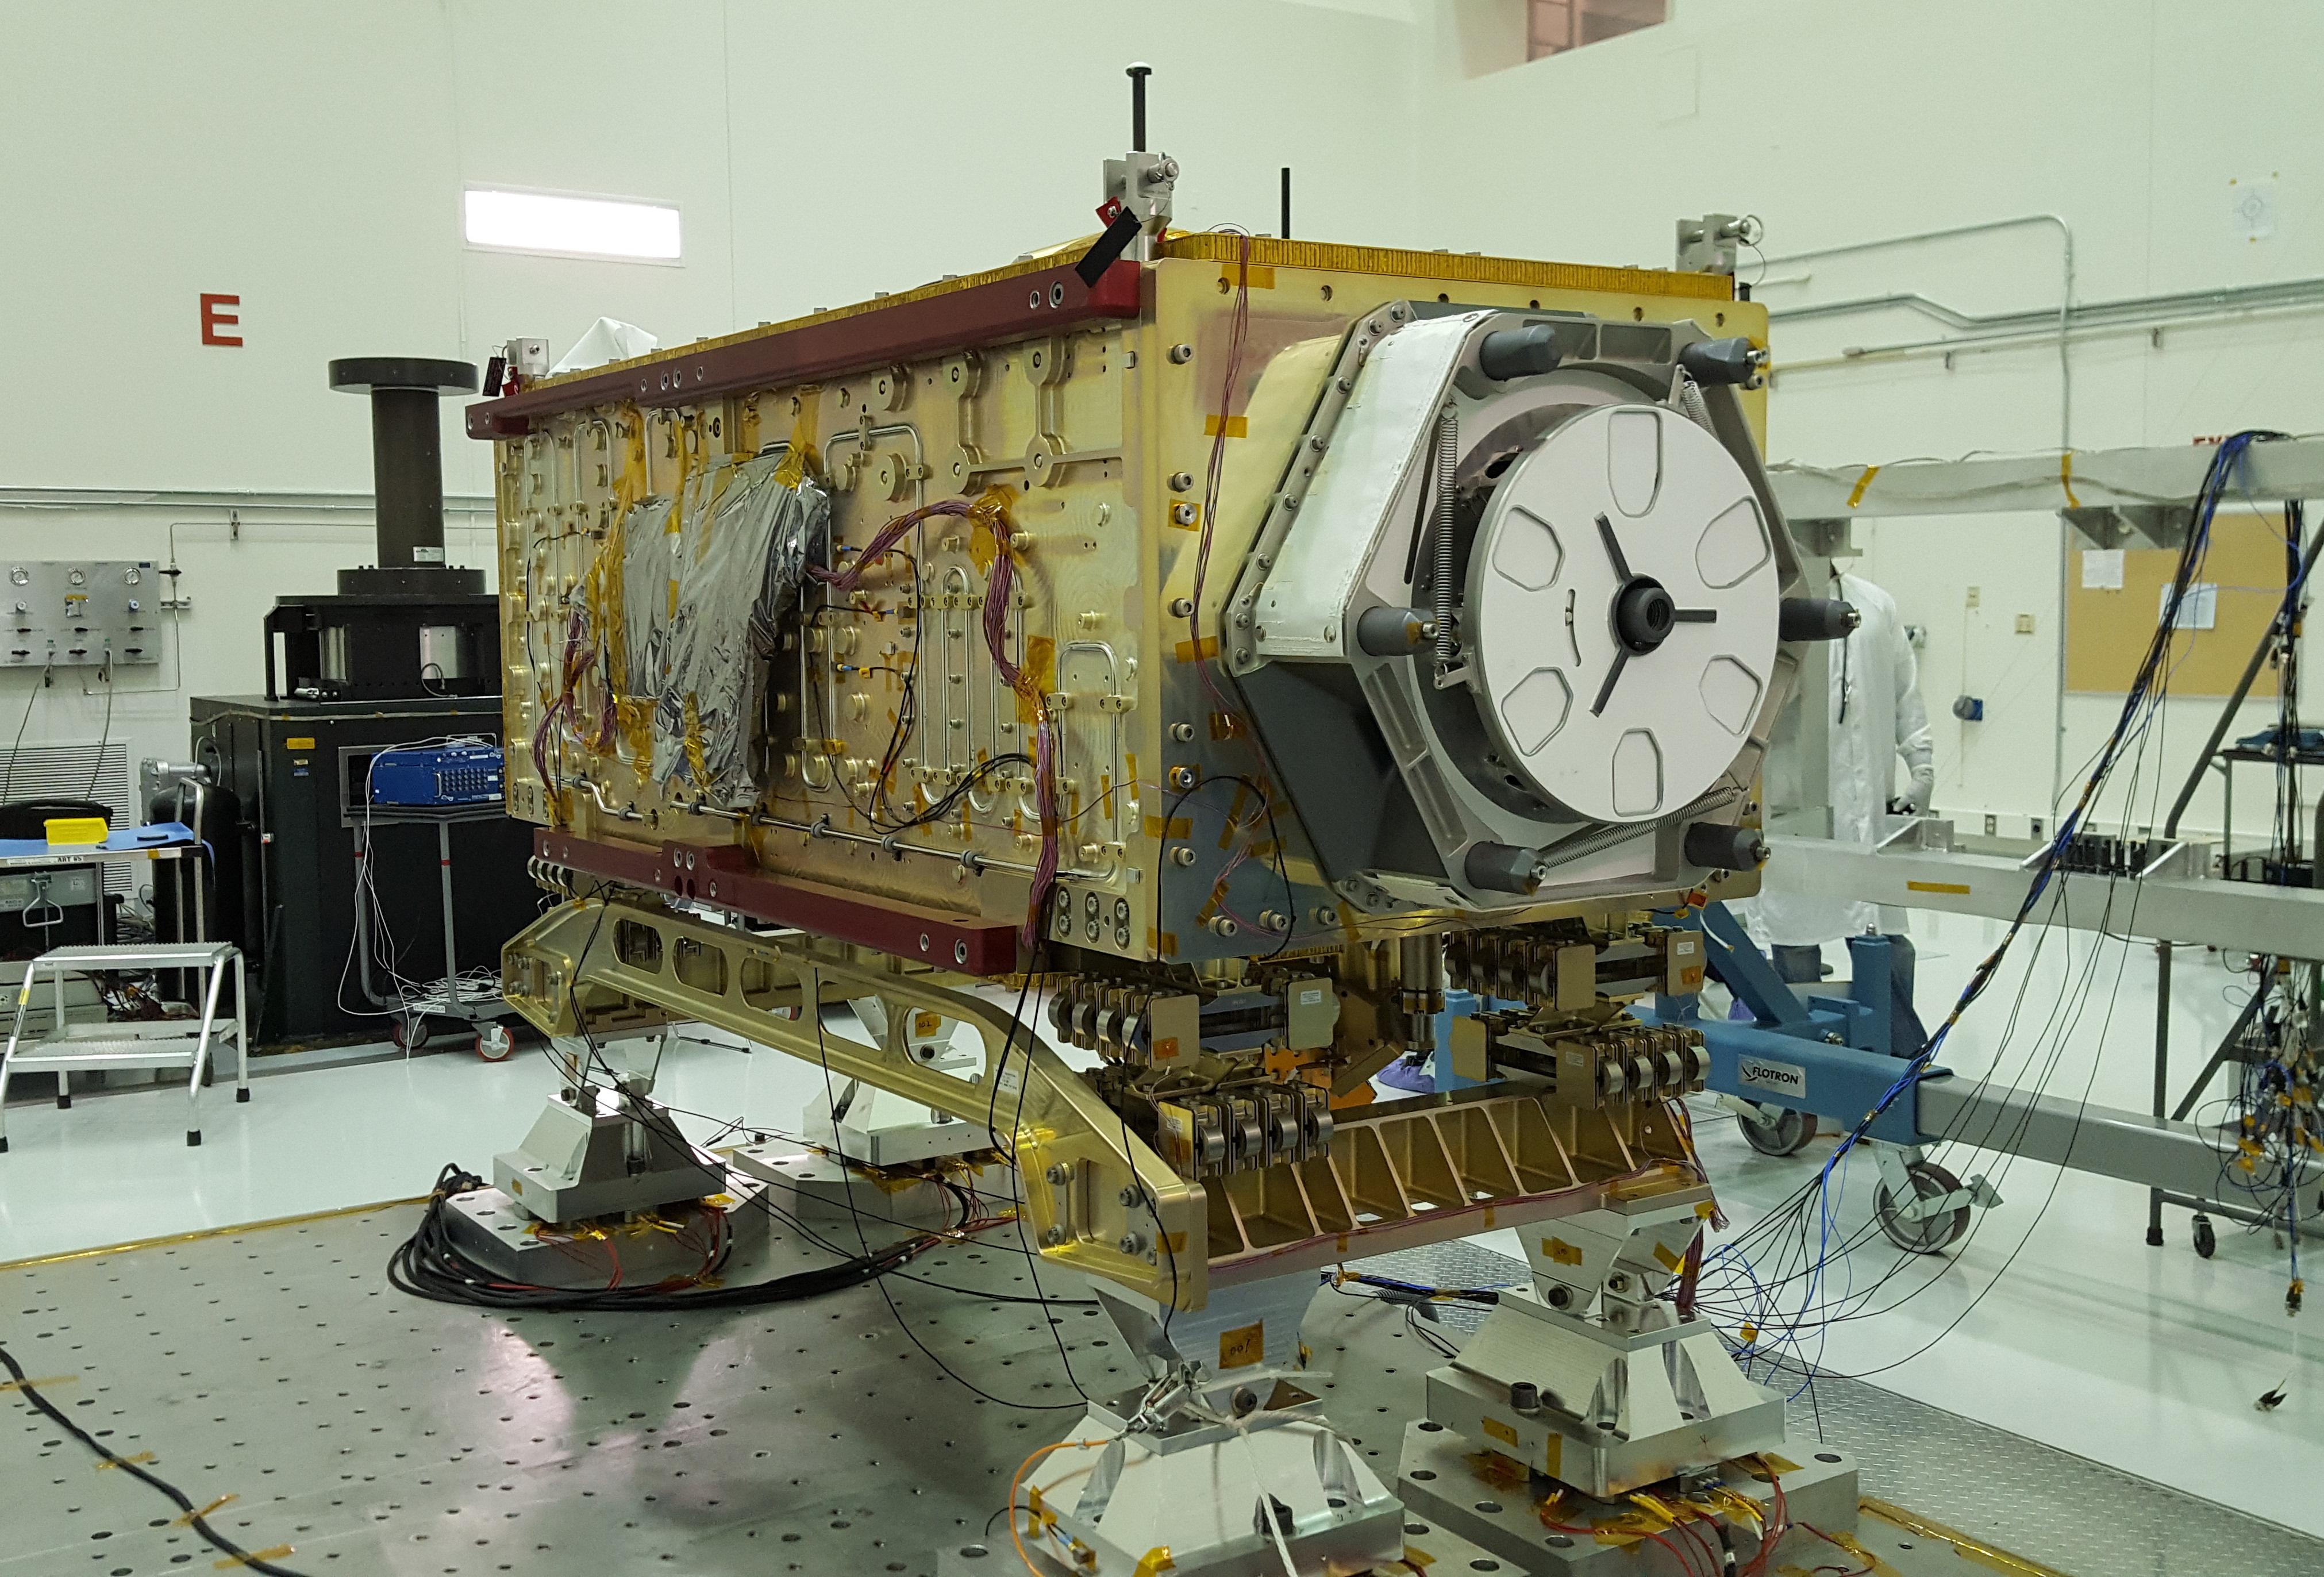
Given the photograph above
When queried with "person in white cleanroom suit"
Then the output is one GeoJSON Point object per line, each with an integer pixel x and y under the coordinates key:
{"type": "Point", "coordinates": [1876, 720]}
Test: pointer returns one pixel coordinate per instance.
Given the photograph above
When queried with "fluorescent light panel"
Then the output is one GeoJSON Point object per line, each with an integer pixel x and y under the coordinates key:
{"type": "Point", "coordinates": [571, 227]}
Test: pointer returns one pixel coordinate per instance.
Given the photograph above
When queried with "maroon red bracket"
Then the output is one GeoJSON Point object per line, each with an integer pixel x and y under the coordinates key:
{"type": "Point", "coordinates": [723, 876]}
{"type": "Point", "coordinates": [1026, 303]}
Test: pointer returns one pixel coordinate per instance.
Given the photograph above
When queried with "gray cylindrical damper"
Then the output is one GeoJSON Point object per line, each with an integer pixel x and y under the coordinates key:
{"type": "Point", "coordinates": [1391, 632]}
{"type": "Point", "coordinates": [1717, 846]}
{"type": "Point", "coordinates": [1500, 868]}
{"type": "Point", "coordinates": [1721, 361]}
{"type": "Point", "coordinates": [1519, 353]}
{"type": "Point", "coordinates": [1815, 618]}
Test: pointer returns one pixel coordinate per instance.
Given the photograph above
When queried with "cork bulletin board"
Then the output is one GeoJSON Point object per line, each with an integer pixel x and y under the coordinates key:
{"type": "Point", "coordinates": [2108, 628]}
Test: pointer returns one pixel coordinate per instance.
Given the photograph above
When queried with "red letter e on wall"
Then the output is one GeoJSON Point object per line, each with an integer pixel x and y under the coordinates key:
{"type": "Point", "coordinates": [217, 314]}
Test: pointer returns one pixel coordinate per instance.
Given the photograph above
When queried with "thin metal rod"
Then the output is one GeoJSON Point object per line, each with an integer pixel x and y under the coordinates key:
{"type": "Point", "coordinates": [1138, 74]}
{"type": "Point", "coordinates": [2017, 221]}
{"type": "Point", "coordinates": [2161, 1076]}
{"type": "Point", "coordinates": [451, 946]}
{"type": "Point", "coordinates": [2218, 1057]}
{"type": "Point", "coordinates": [1285, 231]}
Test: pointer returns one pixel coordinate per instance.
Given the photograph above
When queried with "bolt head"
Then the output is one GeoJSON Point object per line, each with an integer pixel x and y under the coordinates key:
{"type": "Point", "coordinates": [1058, 1172]}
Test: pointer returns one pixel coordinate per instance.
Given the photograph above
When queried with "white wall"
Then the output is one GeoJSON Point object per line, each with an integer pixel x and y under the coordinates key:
{"type": "Point", "coordinates": [1838, 121]}
{"type": "Point", "coordinates": [311, 158]}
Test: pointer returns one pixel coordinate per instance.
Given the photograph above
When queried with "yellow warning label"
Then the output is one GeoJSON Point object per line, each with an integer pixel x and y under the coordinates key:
{"type": "Point", "coordinates": [1960, 889]}
{"type": "Point", "coordinates": [925, 1023]}
{"type": "Point", "coordinates": [1558, 1251]}
{"type": "Point", "coordinates": [298, 742]}
{"type": "Point", "coordinates": [1500, 1432]}
{"type": "Point", "coordinates": [1233, 426]}
{"type": "Point", "coordinates": [1242, 1346]}
{"type": "Point", "coordinates": [1663, 1257]}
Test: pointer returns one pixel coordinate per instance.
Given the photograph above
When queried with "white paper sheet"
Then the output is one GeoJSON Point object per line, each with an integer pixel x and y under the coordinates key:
{"type": "Point", "coordinates": [2200, 610]}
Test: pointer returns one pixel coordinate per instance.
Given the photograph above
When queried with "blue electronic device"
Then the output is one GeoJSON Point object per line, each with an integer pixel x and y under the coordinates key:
{"type": "Point", "coordinates": [439, 775]}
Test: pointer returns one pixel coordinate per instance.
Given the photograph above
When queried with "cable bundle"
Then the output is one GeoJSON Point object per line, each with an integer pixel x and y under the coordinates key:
{"type": "Point", "coordinates": [1773, 1312]}
{"type": "Point", "coordinates": [429, 1264]}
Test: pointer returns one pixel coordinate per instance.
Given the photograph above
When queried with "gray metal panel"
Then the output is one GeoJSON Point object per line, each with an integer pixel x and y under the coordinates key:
{"type": "Point", "coordinates": [2288, 468]}
{"type": "Point", "coordinates": [2237, 916]}
{"type": "Point", "coordinates": [2150, 1151]}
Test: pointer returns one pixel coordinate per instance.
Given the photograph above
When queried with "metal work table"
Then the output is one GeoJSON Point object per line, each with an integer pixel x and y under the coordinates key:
{"type": "Point", "coordinates": [98, 856]}
{"type": "Point", "coordinates": [377, 1433]}
{"type": "Point", "coordinates": [2239, 917]}
{"type": "Point", "coordinates": [2225, 762]}
{"type": "Point", "coordinates": [2177, 1162]}
{"type": "Point", "coordinates": [478, 1009]}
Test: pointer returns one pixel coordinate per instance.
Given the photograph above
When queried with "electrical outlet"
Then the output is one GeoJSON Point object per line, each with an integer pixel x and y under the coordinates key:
{"type": "Point", "coordinates": [1972, 596]}
{"type": "Point", "coordinates": [2025, 623]}
{"type": "Point", "coordinates": [1992, 823]}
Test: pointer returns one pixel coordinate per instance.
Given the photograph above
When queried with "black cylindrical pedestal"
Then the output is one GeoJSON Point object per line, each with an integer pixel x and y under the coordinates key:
{"type": "Point", "coordinates": [407, 457]}
{"type": "Point", "coordinates": [407, 467]}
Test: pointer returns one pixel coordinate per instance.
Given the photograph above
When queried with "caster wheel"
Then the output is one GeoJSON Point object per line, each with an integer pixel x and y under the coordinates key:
{"type": "Point", "coordinates": [193, 1138]}
{"type": "Point", "coordinates": [1927, 1234]}
{"type": "Point", "coordinates": [1787, 1135]}
{"type": "Point", "coordinates": [242, 1096]}
{"type": "Point", "coordinates": [494, 1043]}
{"type": "Point", "coordinates": [409, 1034]}
{"type": "Point", "coordinates": [3, 1147]}
{"type": "Point", "coordinates": [2207, 1240]}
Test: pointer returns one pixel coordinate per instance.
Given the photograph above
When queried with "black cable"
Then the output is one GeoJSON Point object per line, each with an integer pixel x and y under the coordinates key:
{"type": "Point", "coordinates": [431, 1265]}
{"type": "Point", "coordinates": [1033, 1259]}
{"type": "Point", "coordinates": [1858, 1303]}
{"type": "Point", "coordinates": [1274, 835]}
{"type": "Point", "coordinates": [8, 778]}
{"type": "Point", "coordinates": [193, 1518]}
{"type": "Point", "coordinates": [815, 1005]}
{"type": "Point", "coordinates": [103, 738]}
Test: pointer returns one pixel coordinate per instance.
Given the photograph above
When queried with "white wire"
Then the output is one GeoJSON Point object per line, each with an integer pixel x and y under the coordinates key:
{"type": "Point", "coordinates": [415, 999]}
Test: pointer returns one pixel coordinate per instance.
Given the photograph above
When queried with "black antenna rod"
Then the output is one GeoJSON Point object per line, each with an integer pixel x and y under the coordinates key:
{"type": "Point", "coordinates": [1138, 72]}
{"type": "Point", "coordinates": [1287, 202]}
